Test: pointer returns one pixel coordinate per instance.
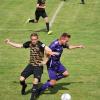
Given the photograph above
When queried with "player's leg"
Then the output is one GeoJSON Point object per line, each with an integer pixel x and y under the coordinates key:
{"type": "Point", "coordinates": [62, 72]}
{"type": "Point", "coordinates": [82, 1]}
{"type": "Point", "coordinates": [52, 82]}
{"type": "Point", "coordinates": [44, 15]}
{"type": "Point", "coordinates": [37, 16]}
{"type": "Point", "coordinates": [37, 77]}
{"type": "Point", "coordinates": [25, 74]}
{"type": "Point", "coordinates": [47, 23]}
{"type": "Point", "coordinates": [23, 84]}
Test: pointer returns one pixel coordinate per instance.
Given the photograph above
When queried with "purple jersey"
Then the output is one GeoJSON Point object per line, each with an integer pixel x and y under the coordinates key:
{"type": "Point", "coordinates": [56, 47]}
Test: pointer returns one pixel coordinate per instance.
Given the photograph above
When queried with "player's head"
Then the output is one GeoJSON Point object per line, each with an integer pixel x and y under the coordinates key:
{"type": "Point", "coordinates": [34, 38]}
{"type": "Point", "coordinates": [64, 38]}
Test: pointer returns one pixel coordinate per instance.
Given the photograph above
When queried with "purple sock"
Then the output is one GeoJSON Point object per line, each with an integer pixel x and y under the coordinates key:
{"type": "Point", "coordinates": [45, 86]}
{"type": "Point", "coordinates": [60, 76]}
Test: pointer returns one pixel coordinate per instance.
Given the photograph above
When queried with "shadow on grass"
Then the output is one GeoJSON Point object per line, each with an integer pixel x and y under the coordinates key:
{"type": "Point", "coordinates": [61, 86]}
{"type": "Point", "coordinates": [55, 89]}
{"type": "Point", "coordinates": [29, 90]}
{"type": "Point", "coordinates": [41, 30]}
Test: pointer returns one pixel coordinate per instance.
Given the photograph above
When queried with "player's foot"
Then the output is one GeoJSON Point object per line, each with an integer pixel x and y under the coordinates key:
{"type": "Point", "coordinates": [23, 89]}
{"type": "Point", "coordinates": [49, 32]}
{"type": "Point", "coordinates": [28, 20]}
{"type": "Point", "coordinates": [33, 95]}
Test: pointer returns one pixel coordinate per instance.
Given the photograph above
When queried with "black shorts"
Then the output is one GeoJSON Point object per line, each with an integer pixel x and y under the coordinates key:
{"type": "Point", "coordinates": [40, 13]}
{"type": "Point", "coordinates": [35, 70]}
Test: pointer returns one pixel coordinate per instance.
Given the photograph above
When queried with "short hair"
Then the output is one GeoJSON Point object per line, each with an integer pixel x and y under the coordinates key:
{"type": "Point", "coordinates": [65, 35]}
{"type": "Point", "coordinates": [34, 34]}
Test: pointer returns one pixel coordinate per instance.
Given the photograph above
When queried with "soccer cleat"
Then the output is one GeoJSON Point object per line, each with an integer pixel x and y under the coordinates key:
{"type": "Point", "coordinates": [23, 89]}
{"type": "Point", "coordinates": [33, 95]}
{"type": "Point", "coordinates": [37, 93]}
{"type": "Point", "coordinates": [49, 32]}
{"type": "Point", "coordinates": [28, 20]}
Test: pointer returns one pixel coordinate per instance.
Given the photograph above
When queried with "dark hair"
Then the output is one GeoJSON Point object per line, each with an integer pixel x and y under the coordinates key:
{"type": "Point", "coordinates": [65, 35]}
{"type": "Point", "coordinates": [34, 34]}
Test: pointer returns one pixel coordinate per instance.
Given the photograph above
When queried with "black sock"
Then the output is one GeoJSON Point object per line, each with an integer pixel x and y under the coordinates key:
{"type": "Point", "coordinates": [35, 87]}
{"type": "Point", "coordinates": [31, 21]}
{"type": "Point", "coordinates": [47, 25]}
{"type": "Point", "coordinates": [22, 83]}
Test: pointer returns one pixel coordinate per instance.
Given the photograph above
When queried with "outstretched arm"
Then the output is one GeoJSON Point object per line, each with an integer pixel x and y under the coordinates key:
{"type": "Point", "coordinates": [16, 45]}
{"type": "Point", "coordinates": [75, 46]}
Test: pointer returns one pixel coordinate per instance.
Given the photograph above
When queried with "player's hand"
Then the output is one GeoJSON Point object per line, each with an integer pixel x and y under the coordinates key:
{"type": "Point", "coordinates": [7, 41]}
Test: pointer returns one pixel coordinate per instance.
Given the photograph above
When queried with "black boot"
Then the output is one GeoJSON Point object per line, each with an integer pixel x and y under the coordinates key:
{"type": "Point", "coordinates": [24, 85]}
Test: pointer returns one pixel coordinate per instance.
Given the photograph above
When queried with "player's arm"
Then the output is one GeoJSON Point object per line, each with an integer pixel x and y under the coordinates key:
{"type": "Point", "coordinates": [75, 46]}
{"type": "Point", "coordinates": [49, 52]}
{"type": "Point", "coordinates": [38, 6]}
{"type": "Point", "coordinates": [13, 44]}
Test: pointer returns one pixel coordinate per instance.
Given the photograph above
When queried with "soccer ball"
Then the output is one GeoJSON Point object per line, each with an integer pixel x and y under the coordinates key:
{"type": "Point", "coordinates": [65, 96]}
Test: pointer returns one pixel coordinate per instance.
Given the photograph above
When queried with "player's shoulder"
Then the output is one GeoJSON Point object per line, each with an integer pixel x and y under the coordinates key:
{"type": "Point", "coordinates": [40, 43]}
{"type": "Point", "coordinates": [56, 42]}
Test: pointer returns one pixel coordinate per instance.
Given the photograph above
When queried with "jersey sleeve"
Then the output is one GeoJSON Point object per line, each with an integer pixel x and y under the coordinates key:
{"type": "Point", "coordinates": [66, 46]}
{"type": "Point", "coordinates": [26, 44]}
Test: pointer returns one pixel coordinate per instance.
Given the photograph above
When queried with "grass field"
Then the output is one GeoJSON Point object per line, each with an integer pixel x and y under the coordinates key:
{"type": "Point", "coordinates": [81, 21]}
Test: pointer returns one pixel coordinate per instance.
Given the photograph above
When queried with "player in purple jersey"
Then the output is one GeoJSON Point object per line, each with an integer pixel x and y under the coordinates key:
{"type": "Point", "coordinates": [56, 70]}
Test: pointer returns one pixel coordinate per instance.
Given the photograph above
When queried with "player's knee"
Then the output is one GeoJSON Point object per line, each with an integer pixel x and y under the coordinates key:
{"type": "Point", "coordinates": [36, 80]}
{"type": "Point", "coordinates": [22, 78]}
{"type": "Point", "coordinates": [66, 74]}
{"type": "Point", "coordinates": [53, 82]}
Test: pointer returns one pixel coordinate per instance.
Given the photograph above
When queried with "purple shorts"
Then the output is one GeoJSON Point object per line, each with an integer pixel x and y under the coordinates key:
{"type": "Point", "coordinates": [55, 68]}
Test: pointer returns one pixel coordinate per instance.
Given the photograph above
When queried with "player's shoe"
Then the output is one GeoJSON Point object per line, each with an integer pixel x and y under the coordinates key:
{"type": "Point", "coordinates": [33, 95]}
{"type": "Point", "coordinates": [49, 32]}
{"type": "Point", "coordinates": [38, 93]}
{"type": "Point", "coordinates": [23, 89]}
{"type": "Point", "coordinates": [28, 20]}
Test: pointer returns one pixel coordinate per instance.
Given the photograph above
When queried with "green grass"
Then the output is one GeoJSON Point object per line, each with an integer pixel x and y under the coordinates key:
{"type": "Point", "coordinates": [81, 21]}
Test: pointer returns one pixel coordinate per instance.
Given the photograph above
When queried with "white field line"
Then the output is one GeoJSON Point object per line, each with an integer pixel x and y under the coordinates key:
{"type": "Point", "coordinates": [56, 12]}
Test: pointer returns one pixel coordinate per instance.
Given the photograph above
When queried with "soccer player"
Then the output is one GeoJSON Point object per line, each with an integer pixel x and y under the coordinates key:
{"type": "Point", "coordinates": [56, 69]}
{"type": "Point", "coordinates": [35, 66]}
{"type": "Point", "coordinates": [40, 12]}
